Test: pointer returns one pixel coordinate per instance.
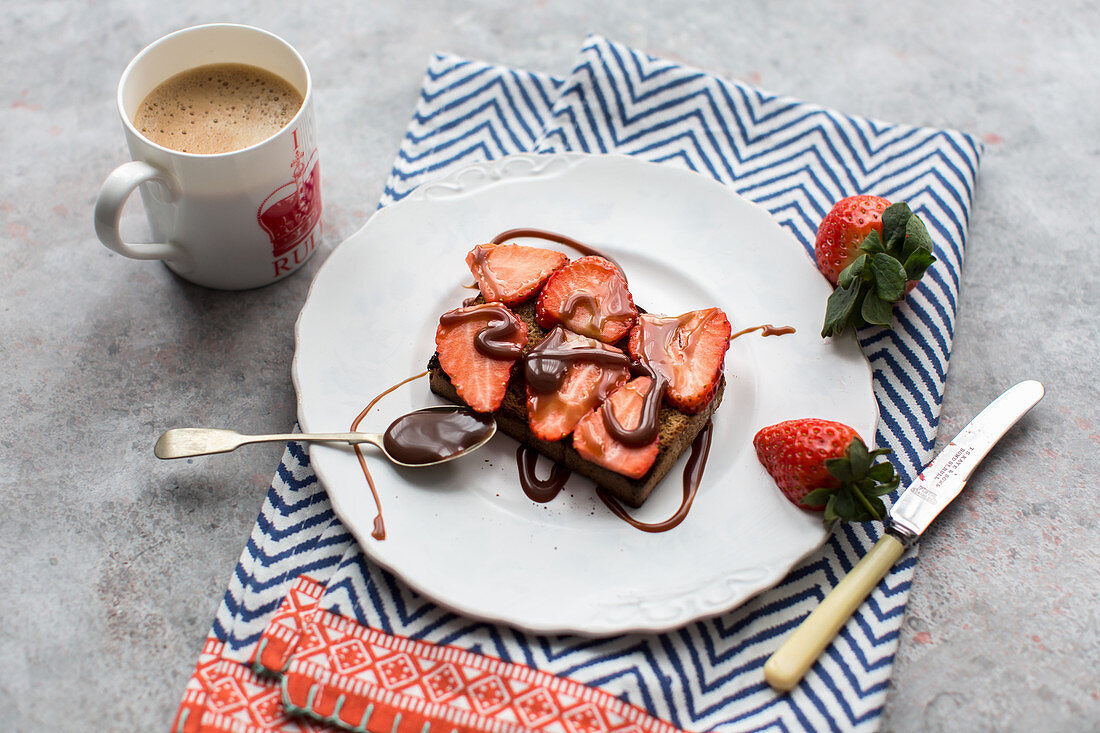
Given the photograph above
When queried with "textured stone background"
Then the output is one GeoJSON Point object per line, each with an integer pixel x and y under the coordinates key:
{"type": "Point", "coordinates": [113, 563]}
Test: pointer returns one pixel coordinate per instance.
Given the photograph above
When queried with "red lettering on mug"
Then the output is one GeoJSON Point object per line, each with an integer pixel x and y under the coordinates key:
{"type": "Point", "coordinates": [289, 263]}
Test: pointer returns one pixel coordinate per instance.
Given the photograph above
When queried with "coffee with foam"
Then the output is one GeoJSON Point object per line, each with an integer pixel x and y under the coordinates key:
{"type": "Point", "coordinates": [218, 108]}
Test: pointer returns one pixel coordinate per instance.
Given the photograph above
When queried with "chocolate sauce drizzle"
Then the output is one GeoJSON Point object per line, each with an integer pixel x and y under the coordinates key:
{"type": "Point", "coordinates": [546, 366]}
{"type": "Point", "coordinates": [693, 476]}
{"type": "Point", "coordinates": [539, 490]}
{"type": "Point", "coordinates": [581, 247]}
{"type": "Point", "coordinates": [646, 430]}
{"type": "Point", "coordinates": [492, 340]}
{"type": "Point", "coordinates": [379, 532]}
{"type": "Point", "coordinates": [766, 330]}
{"type": "Point", "coordinates": [612, 304]}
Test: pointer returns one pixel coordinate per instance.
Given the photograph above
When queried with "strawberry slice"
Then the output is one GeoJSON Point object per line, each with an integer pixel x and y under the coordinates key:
{"type": "Point", "coordinates": [593, 441]}
{"type": "Point", "coordinates": [588, 296]}
{"type": "Point", "coordinates": [567, 376]}
{"type": "Point", "coordinates": [477, 347]}
{"type": "Point", "coordinates": [687, 350]}
{"type": "Point", "coordinates": [511, 273]}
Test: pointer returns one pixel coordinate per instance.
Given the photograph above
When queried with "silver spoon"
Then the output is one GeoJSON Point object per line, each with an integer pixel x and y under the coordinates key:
{"type": "Point", "coordinates": [188, 442]}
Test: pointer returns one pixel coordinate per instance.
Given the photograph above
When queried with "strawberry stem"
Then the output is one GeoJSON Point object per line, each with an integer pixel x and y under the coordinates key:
{"type": "Point", "coordinates": [863, 500]}
{"type": "Point", "coordinates": [861, 484]}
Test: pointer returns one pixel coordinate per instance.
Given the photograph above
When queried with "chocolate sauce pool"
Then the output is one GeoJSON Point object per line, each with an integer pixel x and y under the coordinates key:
{"type": "Point", "coordinates": [537, 489]}
{"type": "Point", "coordinates": [427, 436]}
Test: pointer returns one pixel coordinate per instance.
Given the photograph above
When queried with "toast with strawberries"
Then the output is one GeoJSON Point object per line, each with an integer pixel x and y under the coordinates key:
{"type": "Point", "coordinates": [568, 365]}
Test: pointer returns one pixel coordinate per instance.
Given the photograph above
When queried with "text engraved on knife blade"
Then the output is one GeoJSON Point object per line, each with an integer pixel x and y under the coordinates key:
{"type": "Point", "coordinates": [925, 488]}
{"type": "Point", "coordinates": [946, 472]}
{"type": "Point", "coordinates": [945, 476]}
{"type": "Point", "coordinates": [951, 466]}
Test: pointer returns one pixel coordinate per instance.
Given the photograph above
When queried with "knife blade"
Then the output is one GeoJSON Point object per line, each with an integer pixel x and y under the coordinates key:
{"type": "Point", "coordinates": [921, 502]}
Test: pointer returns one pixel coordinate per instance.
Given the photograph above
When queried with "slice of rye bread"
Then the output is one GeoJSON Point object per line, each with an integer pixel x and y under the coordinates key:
{"type": "Point", "coordinates": [677, 429]}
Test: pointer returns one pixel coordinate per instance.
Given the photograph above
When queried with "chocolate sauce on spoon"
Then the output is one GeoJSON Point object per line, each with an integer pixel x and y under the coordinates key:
{"type": "Point", "coordinates": [428, 436]}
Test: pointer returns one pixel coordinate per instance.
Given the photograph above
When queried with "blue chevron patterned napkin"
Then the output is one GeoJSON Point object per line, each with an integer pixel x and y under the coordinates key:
{"type": "Point", "coordinates": [796, 160]}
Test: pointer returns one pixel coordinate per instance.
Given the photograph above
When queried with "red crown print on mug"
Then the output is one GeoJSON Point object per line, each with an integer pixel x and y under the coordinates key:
{"type": "Point", "coordinates": [292, 211]}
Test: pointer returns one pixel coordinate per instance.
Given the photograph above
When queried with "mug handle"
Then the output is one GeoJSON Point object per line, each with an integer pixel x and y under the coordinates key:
{"type": "Point", "coordinates": [120, 183]}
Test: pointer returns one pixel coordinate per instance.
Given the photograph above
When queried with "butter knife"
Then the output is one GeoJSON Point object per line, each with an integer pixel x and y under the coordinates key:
{"type": "Point", "coordinates": [935, 487]}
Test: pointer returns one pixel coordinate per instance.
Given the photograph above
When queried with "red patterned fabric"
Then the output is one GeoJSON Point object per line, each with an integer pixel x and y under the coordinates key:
{"type": "Point", "coordinates": [284, 631]}
{"type": "Point", "coordinates": [189, 716]}
{"type": "Point", "coordinates": [330, 670]}
{"type": "Point", "coordinates": [243, 702]}
{"type": "Point", "coordinates": [363, 678]}
{"type": "Point", "coordinates": [225, 696]}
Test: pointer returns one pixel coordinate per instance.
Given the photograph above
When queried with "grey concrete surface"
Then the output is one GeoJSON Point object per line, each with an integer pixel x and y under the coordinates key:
{"type": "Point", "coordinates": [112, 563]}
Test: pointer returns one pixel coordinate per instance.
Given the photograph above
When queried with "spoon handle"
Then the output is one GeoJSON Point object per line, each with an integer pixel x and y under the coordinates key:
{"type": "Point", "coordinates": [188, 442]}
{"type": "Point", "coordinates": [351, 438]}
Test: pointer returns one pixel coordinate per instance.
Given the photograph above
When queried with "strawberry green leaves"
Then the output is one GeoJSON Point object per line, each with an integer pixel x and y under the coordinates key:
{"type": "Point", "coordinates": [862, 484]}
{"type": "Point", "coordinates": [823, 465]}
{"type": "Point", "coordinates": [842, 304]}
{"type": "Point", "coordinates": [917, 248]}
{"type": "Point", "coordinates": [888, 277]}
{"type": "Point", "coordinates": [887, 266]}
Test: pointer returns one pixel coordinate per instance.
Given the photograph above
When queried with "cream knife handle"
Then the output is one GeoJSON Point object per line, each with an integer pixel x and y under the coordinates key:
{"type": "Point", "coordinates": [785, 668]}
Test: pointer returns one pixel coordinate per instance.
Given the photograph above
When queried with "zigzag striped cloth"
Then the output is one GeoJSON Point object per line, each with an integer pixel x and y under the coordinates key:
{"type": "Point", "coordinates": [796, 160]}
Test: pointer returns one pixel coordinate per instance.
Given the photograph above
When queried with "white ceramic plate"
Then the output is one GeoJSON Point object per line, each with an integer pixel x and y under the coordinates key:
{"type": "Point", "coordinates": [464, 533]}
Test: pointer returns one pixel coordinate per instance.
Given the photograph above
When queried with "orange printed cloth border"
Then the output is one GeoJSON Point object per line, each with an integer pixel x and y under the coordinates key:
{"type": "Point", "coordinates": [234, 699]}
{"type": "Point", "coordinates": [314, 669]}
{"type": "Point", "coordinates": [225, 696]}
{"type": "Point", "coordinates": [200, 685]}
{"type": "Point", "coordinates": [365, 679]}
{"type": "Point", "coordinates": [284, 632]}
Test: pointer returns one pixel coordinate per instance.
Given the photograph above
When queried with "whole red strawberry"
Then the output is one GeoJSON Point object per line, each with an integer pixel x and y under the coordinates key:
{"type": "Point", "coordinates": [842, 231]}
{"type": "Point", "coordinates": [874, 252]}
{"type": "Point", "coordinates": [824, 466]}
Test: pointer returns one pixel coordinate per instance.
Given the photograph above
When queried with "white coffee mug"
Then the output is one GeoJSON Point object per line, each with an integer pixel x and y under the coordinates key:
{"type": "Point", "coordinates": [232, 220]}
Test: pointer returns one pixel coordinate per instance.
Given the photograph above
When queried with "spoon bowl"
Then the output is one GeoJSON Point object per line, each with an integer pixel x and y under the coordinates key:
{"type": "Point", "coordinates": [425, 437]}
